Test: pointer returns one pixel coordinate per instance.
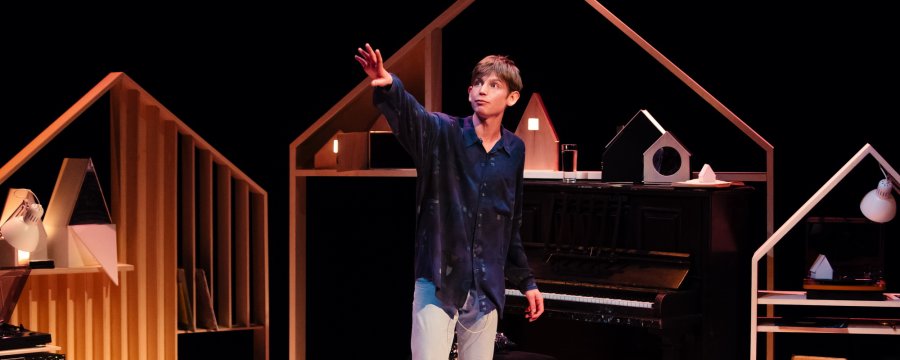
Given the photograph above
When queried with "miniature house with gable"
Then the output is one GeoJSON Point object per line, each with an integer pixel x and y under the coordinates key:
{"type": "Point", "coordinates": [623, 156]}
{"type": "Point", "coordinates": [541, 141]}
{"type": "Point", "coordinates": [666, 161]}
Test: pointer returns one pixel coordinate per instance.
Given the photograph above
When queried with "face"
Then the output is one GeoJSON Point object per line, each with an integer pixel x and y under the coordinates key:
{"type": "Point", "coordinates": [490, 96]}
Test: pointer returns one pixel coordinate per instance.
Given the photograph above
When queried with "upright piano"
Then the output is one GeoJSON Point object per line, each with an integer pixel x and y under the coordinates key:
{"type": "Point", "coordinates": [667, 261]}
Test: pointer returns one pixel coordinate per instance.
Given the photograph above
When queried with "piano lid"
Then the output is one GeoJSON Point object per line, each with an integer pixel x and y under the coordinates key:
{"type": "Point", "coordinates": [618, 267]}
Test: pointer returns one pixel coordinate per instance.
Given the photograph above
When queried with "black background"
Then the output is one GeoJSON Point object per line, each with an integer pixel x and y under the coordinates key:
{"type": "Point", "coordinates": [816, 81]}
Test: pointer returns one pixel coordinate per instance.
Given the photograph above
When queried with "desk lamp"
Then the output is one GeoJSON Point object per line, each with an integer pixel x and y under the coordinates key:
{"type": "Point", "coordinates": [878, 204]}
{"type": "Point", "coordinates": [22, 230]}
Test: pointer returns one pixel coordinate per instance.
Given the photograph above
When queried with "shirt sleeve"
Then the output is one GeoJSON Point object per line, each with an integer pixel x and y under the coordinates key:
{"type": "Point", "coordinates": [518, 273]}
{"type": "Point", "coordinates": [414, 127]}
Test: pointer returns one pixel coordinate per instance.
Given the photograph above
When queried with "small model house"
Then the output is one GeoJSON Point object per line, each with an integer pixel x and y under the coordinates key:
{"type": "Point", "coordinates": [622, 159]}
{"type": "Point", "coordinates": [541, 141]}
{"type": "Point", "coordinates": [666, 161]}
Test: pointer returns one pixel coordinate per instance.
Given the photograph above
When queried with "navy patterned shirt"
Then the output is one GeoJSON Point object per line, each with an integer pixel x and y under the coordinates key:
{"type": "Point", "coordinates": [469, 202]}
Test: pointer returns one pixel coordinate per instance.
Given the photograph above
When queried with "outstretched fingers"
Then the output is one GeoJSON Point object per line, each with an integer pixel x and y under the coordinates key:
{"type": "Point", "coordinates": [372, 63]}
{"type": "Point", "coordinates": [378, 61]}
{"type": "Point", "coordinates": [369, 58]}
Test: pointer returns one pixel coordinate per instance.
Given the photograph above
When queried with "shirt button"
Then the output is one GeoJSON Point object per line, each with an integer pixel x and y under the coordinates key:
{"type": "Point", "coordinates": [482, 194]}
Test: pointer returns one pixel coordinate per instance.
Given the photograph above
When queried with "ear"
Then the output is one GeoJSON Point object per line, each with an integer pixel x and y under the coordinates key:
{"type": "Point", "coordinates": [470, 93]}
{"type": "Point", "coordinates": [512, 98]}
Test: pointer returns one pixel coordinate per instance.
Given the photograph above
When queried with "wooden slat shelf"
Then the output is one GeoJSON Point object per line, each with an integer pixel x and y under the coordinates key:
{"type": "Point", "coordinates": [177, 203]}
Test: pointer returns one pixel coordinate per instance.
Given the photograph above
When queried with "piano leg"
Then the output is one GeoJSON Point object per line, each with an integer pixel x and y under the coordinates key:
{"type": "Point", "coordinates": [671, 348]}
{"type": "Point", "coordinates": [678, 345]}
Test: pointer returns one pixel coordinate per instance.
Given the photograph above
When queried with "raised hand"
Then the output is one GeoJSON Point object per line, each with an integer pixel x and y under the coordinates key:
{"type": "Point", "coordinates": [373, 65]}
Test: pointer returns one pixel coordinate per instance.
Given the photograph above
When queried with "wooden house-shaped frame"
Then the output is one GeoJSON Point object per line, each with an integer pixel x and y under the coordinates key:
{"type": "Point", "coordinates": [770, 298]}
{"type": "Point", "coordinates": [419, 63]}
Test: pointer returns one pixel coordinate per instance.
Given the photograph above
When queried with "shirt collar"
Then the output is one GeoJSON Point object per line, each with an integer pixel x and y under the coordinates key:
{"type": "Point", "coordinates": [471, 138]}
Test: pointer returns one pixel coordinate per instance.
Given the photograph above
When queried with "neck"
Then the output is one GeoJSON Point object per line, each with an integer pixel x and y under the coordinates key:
{"type": "Point", "coordinates": [487, 129]}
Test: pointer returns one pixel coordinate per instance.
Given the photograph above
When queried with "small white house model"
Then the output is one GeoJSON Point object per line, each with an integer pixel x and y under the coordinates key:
{"type": "Point", "coordinates": [666, 161]}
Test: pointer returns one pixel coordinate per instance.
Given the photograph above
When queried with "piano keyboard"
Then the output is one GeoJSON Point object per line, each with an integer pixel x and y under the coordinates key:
{"type": "Point", "coordinates": [587, 299]}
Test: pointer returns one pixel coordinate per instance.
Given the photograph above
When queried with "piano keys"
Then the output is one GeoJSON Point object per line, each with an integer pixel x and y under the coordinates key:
{"type": "Point", "coordinates": [567, 298]}
{"type": "Point", "coordinates": [630, 291]}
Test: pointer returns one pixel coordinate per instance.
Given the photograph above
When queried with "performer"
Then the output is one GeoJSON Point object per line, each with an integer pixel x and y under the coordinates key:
{"type": "Point", "coordinates": [469, 208]}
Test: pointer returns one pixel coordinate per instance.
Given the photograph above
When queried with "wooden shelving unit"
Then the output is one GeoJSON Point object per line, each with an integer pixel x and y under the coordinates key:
{"type": "Point", "coordinates": [772, 298]}
{"type": "Point", "coordinates": [177, 203]}
{"type": "Point", "coordinates": [798, 298]}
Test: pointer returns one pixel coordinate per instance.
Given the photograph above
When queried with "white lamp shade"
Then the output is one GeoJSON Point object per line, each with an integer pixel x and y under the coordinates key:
{"type": "Point", "coordinates": [21, 234]}
{"type": "Point", "coordinates": [23, 229]}
{"type": "Point", "coordinates": [879, 205]}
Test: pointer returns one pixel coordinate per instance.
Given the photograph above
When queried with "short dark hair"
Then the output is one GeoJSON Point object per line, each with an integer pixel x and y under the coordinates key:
{"type": "Point", "coordinates": [503, 66]}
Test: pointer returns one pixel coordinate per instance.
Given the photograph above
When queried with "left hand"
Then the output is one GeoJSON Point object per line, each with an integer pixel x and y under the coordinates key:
{"type": "Point", "coordinates": [535, 304]}
{"type": "Point", "coordinates": [373, 65]}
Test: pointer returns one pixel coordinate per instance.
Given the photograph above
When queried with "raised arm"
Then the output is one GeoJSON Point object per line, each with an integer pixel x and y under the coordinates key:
{"type": "Point", "coordinates": [373, 65]}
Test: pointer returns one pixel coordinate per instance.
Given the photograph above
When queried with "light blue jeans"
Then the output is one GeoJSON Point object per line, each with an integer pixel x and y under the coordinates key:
{"type": "Point", "coordinates": [433, 329]}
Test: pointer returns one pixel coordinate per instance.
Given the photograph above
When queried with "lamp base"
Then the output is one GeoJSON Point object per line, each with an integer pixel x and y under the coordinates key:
{"type": "Point", "coordinates": [41, 264]}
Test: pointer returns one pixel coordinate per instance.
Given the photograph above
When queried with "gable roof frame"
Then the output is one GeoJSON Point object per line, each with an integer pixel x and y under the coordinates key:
{"type": "Point", "coordinates": [429, 41]}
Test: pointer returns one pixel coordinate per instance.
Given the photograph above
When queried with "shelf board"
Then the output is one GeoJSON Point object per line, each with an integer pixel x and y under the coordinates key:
{"type": "Point", "coordinates": [773, 297]}
{"type": "Point", "coordinates": [768, 325]}
{"type": "Point", "coordinates": [529, 174]}
{"type": "Point", "coordinates": [554, 174]}
{"type": "Point", "coordinates": [78, 270]}
{"type": "Point", "coordinates": [363, 173]}
{"type": "Point", "coordinates": [237, 328]}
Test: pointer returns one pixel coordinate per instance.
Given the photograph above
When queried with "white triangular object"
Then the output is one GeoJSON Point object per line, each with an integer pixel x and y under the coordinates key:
{"type": "Point", "coordinates": [707, 176]}
{"type": "Point", "coordinates": [100, 242]}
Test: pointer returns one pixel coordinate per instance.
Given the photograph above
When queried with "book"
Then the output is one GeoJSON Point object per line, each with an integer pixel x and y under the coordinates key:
{"type": "Point", "coordinates": [185, 308]}
{"type": "Point", "coordinates": [206, 315]}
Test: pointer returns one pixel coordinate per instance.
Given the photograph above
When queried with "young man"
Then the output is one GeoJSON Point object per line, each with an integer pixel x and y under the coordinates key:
{"type": "Point", "coordinates": [469, 208]}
